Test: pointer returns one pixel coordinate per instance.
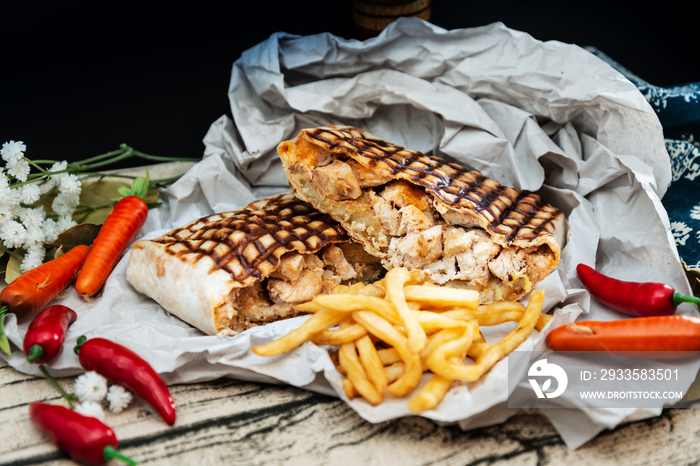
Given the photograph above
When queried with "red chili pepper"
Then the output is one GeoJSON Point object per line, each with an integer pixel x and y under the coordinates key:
{"type": "Point", "coordinates": [33, 290]}
{"type": "Point", "coordinates": [632, 298]}
{"type": "Point", "coordinates": [124, 367]}
{"type": "Point", "coordinates": [673, 336]}
{"type": "Point", "coordinates": [47, 332]}
{"type": "Point", "coordinates": [84, 438]}
{"type": "Point", "coordinates": [118, 230]}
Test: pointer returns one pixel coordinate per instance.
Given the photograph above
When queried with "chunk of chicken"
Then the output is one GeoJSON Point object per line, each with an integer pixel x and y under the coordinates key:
{"type": "Point", "coordinates": [334, 258]}
{"type": "Point", "coordinates": [417, 249]}
{"type": "Point", "coordinates": [466, 256]}
{"type": "Point", "coordinates": [509, 264]}
{"type": "Point", "coordinates": [336, 181]}
{"type": "Point", "coordinates": [304, 289]}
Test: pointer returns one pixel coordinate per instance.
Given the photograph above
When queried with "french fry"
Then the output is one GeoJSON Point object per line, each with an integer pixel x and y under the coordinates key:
{"type": "Point", "coordinates": [387, 333]}
{"type": "Point", "coordinates": [438, 360]}
{"type": "Point", "coordinates": [431, 394]}
{"type": "Point", "coordinates": [319, 321]}
{"type": "Point", "coordinates": [371, 362]}
{"type": "Point", "coordinates": [396, 329]}
{"type": "Point", "coordinates": [349, 302]}
{"type": "Point", "coordinates": [395, 281]}
{"type": "Point", "coordinates": [394, 371]}
{"type": "Point", "coordinates": [349, 389]}
{"type": "Point", "coordinates": [337, 337]}
{"type": "Point", "coordinates": [388, 356]}
{"type": "Point", "coordinates": [348, 358]}
{"type": "Point", "coordinates": [432, 321]}
{"type": "Point", "coordinates": [441, 297]}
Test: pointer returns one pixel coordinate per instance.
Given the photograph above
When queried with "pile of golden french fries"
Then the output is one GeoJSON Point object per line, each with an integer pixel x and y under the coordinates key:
{"type": "Point", "coordinates": [389, 333]}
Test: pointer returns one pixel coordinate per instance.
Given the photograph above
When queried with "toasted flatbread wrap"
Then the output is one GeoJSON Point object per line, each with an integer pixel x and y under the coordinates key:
{"type": "Point", "coordinates": [230, 271]}
{"type": "Point", "coordinates": [421, 212]}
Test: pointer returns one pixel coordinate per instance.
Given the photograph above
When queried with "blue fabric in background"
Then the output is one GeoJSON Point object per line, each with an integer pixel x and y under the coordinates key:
{"type": "Point", "coordinates": [678, 109]}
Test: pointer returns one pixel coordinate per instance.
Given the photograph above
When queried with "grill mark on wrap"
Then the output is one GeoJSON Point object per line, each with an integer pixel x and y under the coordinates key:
{"type": "Point", "coordinates": [498, 203]}
{"type": "Point", "coordinates": [290, 223]}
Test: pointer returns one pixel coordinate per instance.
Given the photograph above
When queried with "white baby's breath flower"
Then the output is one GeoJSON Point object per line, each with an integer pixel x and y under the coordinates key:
{"type": "Point", "coordinates": [32, 217]}
{"type": "Point", "coordinates": [64, 204]}
{"type": "Point", "coordinates": [20, 170]}
{"type": "Point", "coordinates": [70, 184]}
{"type": "Point", "coordinates": [29, 193]}
{"type": "Point", "coordinates": [12, 151]}
{"type": "Point", "coordinates": [58, 172]}
{"type": "Point", "coordinates": [118, 398]}
{"type": "Point", "coordinates": [64, 222]}
{"type": "Point", "coordinates": [13, 234]}
{"type": "Point", "coordinates": [34, 257]}
{"type": "Point", "coordinates": [50, 230]}
{"type": "Point", "coordinates": [90, 408]}
{"type": "Point", "coordinates": [90, 386]}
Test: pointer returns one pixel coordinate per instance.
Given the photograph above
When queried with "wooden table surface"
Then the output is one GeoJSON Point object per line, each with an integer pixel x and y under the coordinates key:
{"type": "Point", "coordinates": [231, 422]}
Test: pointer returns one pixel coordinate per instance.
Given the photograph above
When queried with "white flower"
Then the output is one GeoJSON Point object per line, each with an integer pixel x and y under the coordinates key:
{"type": "Point", "coordinates": [118, 398]}
{"type": "Point", "coordinates": [12, 151]}
{"type": "Point", "coordinates": [58, 169]}
{"type": "Point", "coordinates": [32, 217]}
{"type": "Point", "coordinates": [34, 257]}
{"type": "Point", "coordinates": [50, 230]}
{"type": "Point", "coordinates": [20, 169]}
{"type": "Point", "coordinates": [90, 386]}
{"type": "Point", "coordinates": [13, 234]}
{"type": "Point", "coordinates": [29, 193]}
{"type": "Point", "coordinates": [70, 184]}
{"type": "Point", "coordinates": [64, 222]}
{"type": "Point", "coordinates": [64, 204]}
{"type": "Point", "coordinates": [90, 408]}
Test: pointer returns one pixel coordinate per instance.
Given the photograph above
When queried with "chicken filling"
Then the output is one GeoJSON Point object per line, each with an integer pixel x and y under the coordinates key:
{"type": "Point", "coordinates": [413, 234]}
{"type": "Point", "coordinates": [300, 277]}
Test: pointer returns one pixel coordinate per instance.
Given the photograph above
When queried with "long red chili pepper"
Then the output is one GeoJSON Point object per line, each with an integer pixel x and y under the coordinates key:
{"type": "Point", "coordinates": [47, 332]}
{"type": "Point", "coordinates": [667, 336]}
{"type": "Point", "coordinates": [632, 298]}
{"type": "Point", "coordinates": [33, 290]}
{"type": "Point", "coordinates": [124, 367]}
{"type": "Point", "coordinates": [118, 230]}
{"type": "Point", "coordinates": [84, 438]}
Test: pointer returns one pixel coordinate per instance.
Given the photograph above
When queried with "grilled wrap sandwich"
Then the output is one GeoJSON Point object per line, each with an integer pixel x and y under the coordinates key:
{"type": "Point", "coordinates": [421, 212]}
{"type": "Point", "coordinates": [230, 271]}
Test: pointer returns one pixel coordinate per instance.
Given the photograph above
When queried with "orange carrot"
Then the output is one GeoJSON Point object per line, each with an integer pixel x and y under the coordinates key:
{"type": "Point", "coordinates": [34, 289]}
{"type": "Point", "coordinates": [118, 231]}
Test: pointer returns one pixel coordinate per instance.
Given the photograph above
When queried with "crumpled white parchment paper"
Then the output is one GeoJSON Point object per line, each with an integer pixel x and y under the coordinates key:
{"type": "Point", "coordinates": [541, 116]}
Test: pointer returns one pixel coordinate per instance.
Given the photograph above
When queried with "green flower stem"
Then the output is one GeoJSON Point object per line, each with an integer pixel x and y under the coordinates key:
{"type": "Point", "coordinates": [66, 396]}
{"type": "Point", "coordinates": [10, 252]}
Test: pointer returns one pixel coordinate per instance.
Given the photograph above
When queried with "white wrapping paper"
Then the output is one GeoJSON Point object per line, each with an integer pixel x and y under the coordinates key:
{"type": "Point", "coordinates": [541, 116]}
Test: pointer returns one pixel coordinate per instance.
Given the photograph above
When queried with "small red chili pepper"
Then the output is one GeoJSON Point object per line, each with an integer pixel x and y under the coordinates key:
{"type": "Point", "coordinates": [124, 367]}
{"type": "Point", "coordinates": [47, 332]}
{"type": "Point", "coordinates": [84, 438]}
{"type": "Point", "coordinates": [668, 336]}
{"type": "Point", "coordinates": [632, 298]}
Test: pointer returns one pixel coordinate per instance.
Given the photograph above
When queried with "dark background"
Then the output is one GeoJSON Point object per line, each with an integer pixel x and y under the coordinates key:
{"type": "Point", "coordinates": [79, 78]}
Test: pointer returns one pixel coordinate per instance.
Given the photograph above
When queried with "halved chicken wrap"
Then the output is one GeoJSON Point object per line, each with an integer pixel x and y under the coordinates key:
{"type": "Point", "coordinates": [421, 212]}
{"type": "Point", "coordinates": [230, 271]}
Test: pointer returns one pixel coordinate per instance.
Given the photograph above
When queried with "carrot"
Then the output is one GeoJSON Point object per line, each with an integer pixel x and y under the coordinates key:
{"type": "Point", "coordinates": [671, 336]}
{"type": "Point", "coordinates": [34, 289]}
{"type": "Point", "coordinates": [118, 231]}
